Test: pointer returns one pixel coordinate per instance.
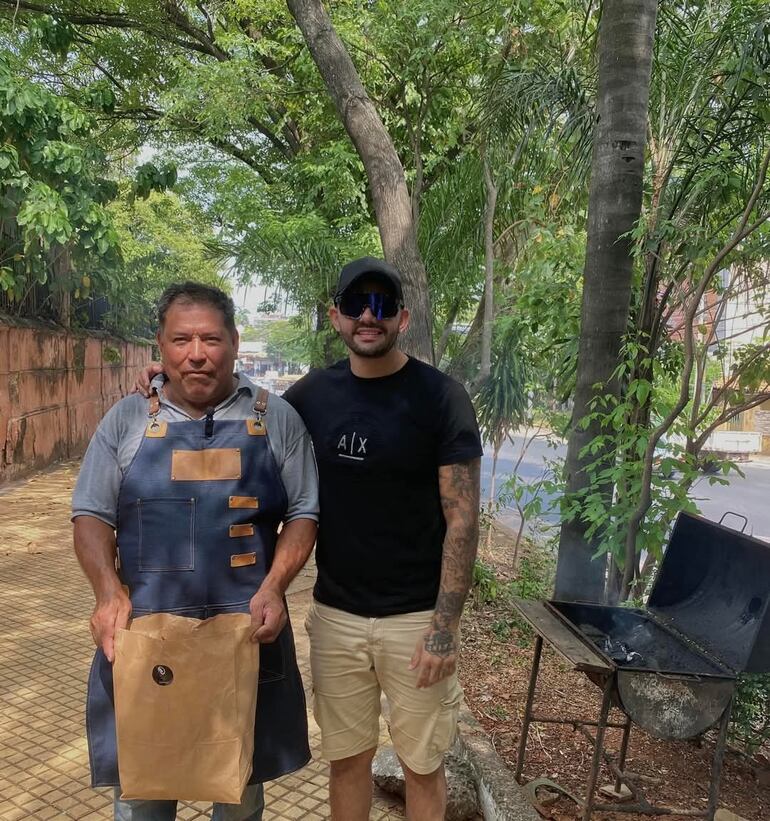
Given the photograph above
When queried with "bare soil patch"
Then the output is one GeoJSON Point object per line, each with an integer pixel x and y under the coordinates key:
{"type": "Point", "coordinates": [494, 670]}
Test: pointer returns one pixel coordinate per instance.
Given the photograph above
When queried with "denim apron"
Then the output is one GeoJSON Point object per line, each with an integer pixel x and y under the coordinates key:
{"type": "Point", "coordinates": [198, 511]}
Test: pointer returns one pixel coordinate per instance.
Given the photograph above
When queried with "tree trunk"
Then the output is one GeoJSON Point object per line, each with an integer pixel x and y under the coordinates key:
{"type": "Point", "coordinates": [615, 197]}
{"type": "Point", "coordinates": [390, 195]}
{"type": "Point", "coordinates": [495, 454]}
{"type": "Point", "coordinates": [489, 270]}
{"type": "Point", "coordinates": [446, 332]}
{"type": "Point", "coordinates": [328, 355]}
{"type": "Point", "coordinates": [463, 365]}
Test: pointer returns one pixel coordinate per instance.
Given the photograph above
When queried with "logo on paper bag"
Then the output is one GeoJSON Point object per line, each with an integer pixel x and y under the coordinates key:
{"type": "Point", "coordinates": [162, 675]}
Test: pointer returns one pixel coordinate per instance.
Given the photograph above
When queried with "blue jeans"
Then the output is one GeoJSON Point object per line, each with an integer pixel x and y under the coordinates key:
{"type": "Point", "coordinates": [250, 808]}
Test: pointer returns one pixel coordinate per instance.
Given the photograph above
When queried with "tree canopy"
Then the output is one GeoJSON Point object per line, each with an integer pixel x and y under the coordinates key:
{"type": "Point", "coordinates": [106, 106]}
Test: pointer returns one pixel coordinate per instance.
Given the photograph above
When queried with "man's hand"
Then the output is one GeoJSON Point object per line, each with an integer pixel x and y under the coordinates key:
{"type": "Point", "coordinates": [144, 377]}
{"type": "Point", "coordinates": [435, 656]}
{"type": "Point", "coordinates": [268, 611]}
{"type": "Point", "coordinates": [110, 615]}
{"type": "Point", "coordinates": [268, 614]}
{"type": "Point", "coordinates": [95, 549]}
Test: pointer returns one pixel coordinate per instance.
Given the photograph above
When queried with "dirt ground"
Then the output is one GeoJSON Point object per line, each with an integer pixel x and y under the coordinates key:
{"type": "Point", "coordinates": [494, 669]}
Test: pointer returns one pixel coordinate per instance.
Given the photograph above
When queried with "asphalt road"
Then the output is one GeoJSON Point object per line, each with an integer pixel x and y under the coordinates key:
{"type": "Point", "coordinates": [748, 495]}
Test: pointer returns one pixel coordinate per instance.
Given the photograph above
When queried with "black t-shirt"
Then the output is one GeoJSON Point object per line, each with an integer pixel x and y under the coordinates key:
{"type": "Point", "coordinates": [379, 444]}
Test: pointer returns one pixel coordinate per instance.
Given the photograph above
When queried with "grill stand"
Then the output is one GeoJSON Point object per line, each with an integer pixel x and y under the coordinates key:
{"type": "Point", "coordinates": [642, 805]}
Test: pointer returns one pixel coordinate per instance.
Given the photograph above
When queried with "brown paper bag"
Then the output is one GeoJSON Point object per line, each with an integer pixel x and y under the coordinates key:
{"type": "Point", "coordinates": [185, 700]}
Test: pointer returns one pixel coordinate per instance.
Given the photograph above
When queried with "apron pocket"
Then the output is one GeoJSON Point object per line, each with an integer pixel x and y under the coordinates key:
{"type": "Point", "coordinates": [166, 534]}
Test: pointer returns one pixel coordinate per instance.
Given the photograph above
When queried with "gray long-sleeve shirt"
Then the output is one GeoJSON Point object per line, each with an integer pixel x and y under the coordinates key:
{"type": "Point", "coordinates": [120, 433]}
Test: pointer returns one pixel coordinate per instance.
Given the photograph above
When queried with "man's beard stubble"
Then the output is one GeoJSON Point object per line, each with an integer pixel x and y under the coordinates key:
{"type": "Point", "coordinates": [388, 342]}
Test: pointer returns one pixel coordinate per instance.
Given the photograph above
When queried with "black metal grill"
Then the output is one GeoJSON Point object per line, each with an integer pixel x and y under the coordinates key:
{"type": "Point", "coordinates": [671, 666]}
{"type": "Point", "coordinates": [633, 640]}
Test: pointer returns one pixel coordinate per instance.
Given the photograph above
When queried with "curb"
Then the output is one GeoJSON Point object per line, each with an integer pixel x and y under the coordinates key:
{"type": "Point", "coordinates": [500, 796]}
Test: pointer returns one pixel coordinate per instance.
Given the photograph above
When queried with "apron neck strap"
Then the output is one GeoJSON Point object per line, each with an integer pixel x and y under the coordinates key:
{"type": "Point", "coordinates": [154, 408]}
{"type": "Point", "coordinates": [260, 403]}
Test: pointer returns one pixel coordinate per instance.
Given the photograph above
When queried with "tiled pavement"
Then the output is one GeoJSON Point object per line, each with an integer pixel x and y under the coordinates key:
{"type": "Point", "coordinates": [45, 652]}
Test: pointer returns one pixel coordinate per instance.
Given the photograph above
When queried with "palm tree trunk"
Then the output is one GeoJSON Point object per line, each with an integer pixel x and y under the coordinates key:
{"type": "Point", "coordinates": [387, 183]}
{"type": "Point", "coordinates": [489, 270]}
{"type": "Point", "coordinates": [462, 367]}
{"type": "Point", "coordinates": [615, 197]}
{"type": "Point", "coordinates": [495, 454]}
{"type": "Point", "coordinates": [447, 331]}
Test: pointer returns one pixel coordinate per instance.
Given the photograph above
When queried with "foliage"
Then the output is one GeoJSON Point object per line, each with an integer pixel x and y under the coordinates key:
{"type": "Point", "coordinates": [750, 720]}
{"type": "Point", "coordinates": [290, 340]}
{"type": "Point", "coordinates": [534, 580]}
{"type": "Point", "coordinates": [539, 319]}
{"type": "Point", "coordinates": [607, 518]}
{"type": "Point", "coordinates": [485, 585]}
{"type": "Point", "coordinates": [162, 240]}
{"type": "Point", "coordinates": [501, 402]}
{"type": "Point", "coordinates": [217, 88]}
{"type": "Point", "coordinates": [150, 177]}
{"type": "Point", "coordinates": [53, 192]}
{"type": "Point", "coordinates": [289, 248]}
{"type": "Point", "coordinates": [271, 190]}
{"type": "Point", "coordinates": [533, 126]}
{"type": "Point", "coordinates": [699, 250]}
{"type": "Point", "coordinates": [58, 228]}
{"type": "Point", "coordinates": [545, 293]}
{"type": "Point", "coordinates": [230, 93]}
{"type": "Point", "coordinates": [535, 577]}
{"type": "Point", "coordinates": [111, 354]}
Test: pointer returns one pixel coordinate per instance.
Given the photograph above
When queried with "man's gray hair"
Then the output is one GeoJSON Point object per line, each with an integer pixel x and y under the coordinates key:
{"type": "Point", "coordinates": [194, 293]}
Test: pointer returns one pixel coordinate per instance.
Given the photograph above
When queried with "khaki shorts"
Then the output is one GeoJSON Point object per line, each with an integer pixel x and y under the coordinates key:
{"type": "Point", "coordinates": [353, 659]}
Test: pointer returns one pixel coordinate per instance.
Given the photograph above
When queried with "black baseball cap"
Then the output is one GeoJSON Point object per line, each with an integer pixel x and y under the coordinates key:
{"type": "Point", "coordinates": [369, 267]}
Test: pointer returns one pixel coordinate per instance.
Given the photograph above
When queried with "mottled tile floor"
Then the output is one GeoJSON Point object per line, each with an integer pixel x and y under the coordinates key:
{"type": "Point", "coordinates": [45, 653]}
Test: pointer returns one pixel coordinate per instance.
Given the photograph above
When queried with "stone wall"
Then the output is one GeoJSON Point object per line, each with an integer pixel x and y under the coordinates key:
{"type": "Point", "coordinates": [55, 386]}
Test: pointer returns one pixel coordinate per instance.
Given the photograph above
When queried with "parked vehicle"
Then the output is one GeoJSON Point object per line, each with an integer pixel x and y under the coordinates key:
{"type": "Point", "coordinates": [738, 446]}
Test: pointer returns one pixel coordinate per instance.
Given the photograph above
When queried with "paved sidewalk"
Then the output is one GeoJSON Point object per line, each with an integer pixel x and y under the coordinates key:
{"type": "Point", "coordinates": [45, 653]}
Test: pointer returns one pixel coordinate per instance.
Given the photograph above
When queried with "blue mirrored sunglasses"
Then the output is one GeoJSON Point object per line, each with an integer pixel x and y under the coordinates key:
{"type": "Point", "coordinates": [353, 305]}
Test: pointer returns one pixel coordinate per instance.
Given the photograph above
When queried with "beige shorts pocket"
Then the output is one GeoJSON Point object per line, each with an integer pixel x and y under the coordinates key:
{"type": "Point", "coordinates": [446, 723]}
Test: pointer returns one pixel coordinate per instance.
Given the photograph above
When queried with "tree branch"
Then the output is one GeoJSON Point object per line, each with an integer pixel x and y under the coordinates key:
{"type": "Point", "coordinates": [735, 410]}
{"type": "Point", "coordinates": [109, 20]}
{"type": "Point", "coordinates": [741, 231]}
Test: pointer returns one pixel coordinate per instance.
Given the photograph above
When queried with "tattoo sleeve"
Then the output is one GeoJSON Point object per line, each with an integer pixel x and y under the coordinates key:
{"type": "Point", "coordinates": [459, 490]}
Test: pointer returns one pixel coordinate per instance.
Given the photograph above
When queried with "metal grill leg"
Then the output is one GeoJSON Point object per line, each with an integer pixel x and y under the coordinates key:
{"type": "Point", "coordinates": [622, 754]}
{"type": "Point", "coordinates": [528, 709]}
{"type": "Point", "coordinates": [716, 769]}
{"type": "Point", "coordinates": [598, 748]}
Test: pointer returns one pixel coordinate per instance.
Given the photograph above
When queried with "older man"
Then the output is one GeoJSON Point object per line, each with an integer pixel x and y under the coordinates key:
{"type": "Point", "coordinates": [176, 510]}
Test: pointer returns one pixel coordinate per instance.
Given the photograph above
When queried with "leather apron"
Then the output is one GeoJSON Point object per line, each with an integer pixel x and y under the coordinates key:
{"type": "Point", "coordinates": [198, 511]}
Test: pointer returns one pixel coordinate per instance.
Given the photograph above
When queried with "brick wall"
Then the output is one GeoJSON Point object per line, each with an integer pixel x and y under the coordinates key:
{"type": "Point", "coordinates": [55, 386]}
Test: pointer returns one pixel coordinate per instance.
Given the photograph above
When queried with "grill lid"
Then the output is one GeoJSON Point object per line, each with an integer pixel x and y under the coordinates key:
{"type": "Point", "coordinates": [713, 585]}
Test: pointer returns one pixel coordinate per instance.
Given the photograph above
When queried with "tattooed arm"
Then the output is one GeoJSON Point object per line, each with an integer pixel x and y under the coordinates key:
{"type": "Point", "coordinates": [436, 655]}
